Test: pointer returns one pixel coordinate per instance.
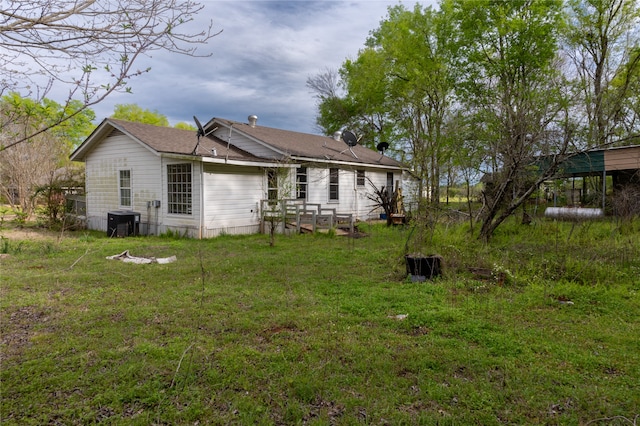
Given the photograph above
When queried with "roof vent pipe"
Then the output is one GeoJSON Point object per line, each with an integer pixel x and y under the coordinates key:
{"type": "Point", "coordinates": [253, 119]}
{"type": "Point", "coordinates": [337, 135]}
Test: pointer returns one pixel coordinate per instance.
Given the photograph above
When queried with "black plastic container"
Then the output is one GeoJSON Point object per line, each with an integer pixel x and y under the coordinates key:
{"type": "Point", "coordinates": [422, 268]}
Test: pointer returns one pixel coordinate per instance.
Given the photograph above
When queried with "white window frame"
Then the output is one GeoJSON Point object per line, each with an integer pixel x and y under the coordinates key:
{"type": "Point", "coordinates": [334, 187]}
{"type": "Point", "coordinates": [180, 189]}
{"type": "Point", "coordinates": [125, 187]}
{"type": "Point", "coordinates": [302, 186]}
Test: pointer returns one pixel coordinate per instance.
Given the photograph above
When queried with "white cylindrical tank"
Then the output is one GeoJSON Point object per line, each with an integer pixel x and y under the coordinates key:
{"type": "Point", "coordinates": [573, 213]}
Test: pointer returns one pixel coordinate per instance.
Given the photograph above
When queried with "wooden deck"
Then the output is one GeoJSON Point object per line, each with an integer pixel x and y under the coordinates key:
{"type": "Point", "coordinates": [306, 217]}
{"type": "Point", "coordinates": [308, 229]}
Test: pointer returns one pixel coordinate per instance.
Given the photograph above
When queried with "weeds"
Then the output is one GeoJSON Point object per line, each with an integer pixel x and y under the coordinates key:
{"type": "Point", "coordinates": [528, 330]}
{"type": "Point", "coordinates": [4, 245]}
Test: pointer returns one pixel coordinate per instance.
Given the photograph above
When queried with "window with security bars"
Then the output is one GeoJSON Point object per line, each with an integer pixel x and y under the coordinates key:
{"type": "Point", "coordinates": [301, 183]}
{"type": "Point", "coordinates": [179, 189]}
{"type": "Point", "coordinates": [124, 183]}
{"type": "Point", "coordinates": [334, 188]}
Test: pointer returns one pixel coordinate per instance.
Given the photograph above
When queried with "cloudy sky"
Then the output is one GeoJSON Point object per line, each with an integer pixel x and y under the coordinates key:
{"type": "Point", "coordinates": [260, 62]}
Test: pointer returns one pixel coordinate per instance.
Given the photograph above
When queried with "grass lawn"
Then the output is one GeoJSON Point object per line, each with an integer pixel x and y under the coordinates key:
{"type": "Point", "coordinates": [542, 326]}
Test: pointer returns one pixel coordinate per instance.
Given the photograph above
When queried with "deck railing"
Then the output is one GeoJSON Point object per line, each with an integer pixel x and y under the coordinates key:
{"type": "Point", "coordinates": [303, 215]}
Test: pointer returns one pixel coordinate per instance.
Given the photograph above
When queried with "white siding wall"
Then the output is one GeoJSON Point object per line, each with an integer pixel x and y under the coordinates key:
{"type": "Point", "coordinates": [352, 198]}
{"type": "Point", "coordinates": [318, 185]}
{"type": "Point", "coordinates": [184, 224]}
{"type": "Point", "coordinates": [148, 183]}
{"type": "Point", "coordinates": [102, 172]}
{"type": "Point", "coordinates": [410, 190]}
{"type": "Point", "coordinates": [232, 198]}
{"type": "Point", "coordinates": [379, 179]}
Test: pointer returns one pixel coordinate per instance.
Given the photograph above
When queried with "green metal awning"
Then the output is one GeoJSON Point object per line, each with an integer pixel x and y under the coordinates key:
{"type": "Point", "coordinates": [583, 164]}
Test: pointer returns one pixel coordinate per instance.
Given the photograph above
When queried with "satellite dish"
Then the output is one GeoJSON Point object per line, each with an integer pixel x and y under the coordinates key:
{"type": "Point", "coordinates": [349, 138]}
{"type": "Point", "coordinates": [201, 133]}
{"type": "Point", "coordinates": [382, 147]}
{"type": "Point", "coordinates": [200, 128]}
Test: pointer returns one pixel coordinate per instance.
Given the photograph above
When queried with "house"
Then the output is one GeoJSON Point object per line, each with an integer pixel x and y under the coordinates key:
{"type": "Point", "coordinates": [220, 179]}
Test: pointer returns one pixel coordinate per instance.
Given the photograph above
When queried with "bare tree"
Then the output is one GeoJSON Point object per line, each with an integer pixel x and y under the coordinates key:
{"type": "Point", "coordinates": [90, 48]}
{"type": "Point", "coordinates": [28, 166]}
{"type": "Point", "coordinates": [325, 84]}
{"type": "Point", "coordinates": [385, 198]}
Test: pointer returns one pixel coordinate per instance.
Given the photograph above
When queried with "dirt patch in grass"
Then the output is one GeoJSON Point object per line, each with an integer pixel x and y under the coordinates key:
{"type": "Point", "coordinates": [35, 234]}
{"type": "Point", "coordinates": [17, 329]}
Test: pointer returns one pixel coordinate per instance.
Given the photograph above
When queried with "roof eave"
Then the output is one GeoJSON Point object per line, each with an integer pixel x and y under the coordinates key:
{"type": "Point", "coordinates": [223, 160]}
{"type": "Point", "coordinates": [99, 134]}
{"type": "Point", "coordinates": [79, 154]}
{"type": "Point", "coordinates": [348, 163]}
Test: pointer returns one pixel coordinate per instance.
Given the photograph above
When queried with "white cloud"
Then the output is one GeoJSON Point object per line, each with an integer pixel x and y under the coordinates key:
{"type": "Point", "coordinates": [260, 62]}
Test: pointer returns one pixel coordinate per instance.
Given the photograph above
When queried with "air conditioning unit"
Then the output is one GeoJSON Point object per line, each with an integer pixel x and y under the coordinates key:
{"type": "Point", "coordinates": [123, 223]}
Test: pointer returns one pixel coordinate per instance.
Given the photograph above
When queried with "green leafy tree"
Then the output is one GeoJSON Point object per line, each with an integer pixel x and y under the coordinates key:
{"type": "Point", "coordinates": [185, 126]}
{"type": "Point", "coordinates": [399, 89]}
{"type": "Point", "coordinates": [333, 111]}
{"type": "Point", "coordinates": [352, 101]}
{"type": "Point", "coordinates": [366, 103]}
{"type": "Point", "coordinates": [632, 103]}
{"type": "Point", "coordinates": [603, 44]}
{"type": "Point", "coordinates": [418, 54]}
{"type": "Point", "coordinates": [510, 81]}
{"type": "Point", "coordinates": [37, 166]}
{"type": "Point", "coordinates": [86, 48]}
{"type": "Point", "coordinates": [135, 113]}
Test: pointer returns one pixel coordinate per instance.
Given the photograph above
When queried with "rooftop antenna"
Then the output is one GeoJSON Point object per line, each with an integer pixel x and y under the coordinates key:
{"type": "Point", "coordinates": [382, 147]}
{"type": "Point", "coordinates": [226, 157]}
{"type": "Point", "coordinates": [351, 140]}
{"type": "Point", "coordinates": [201, 133]}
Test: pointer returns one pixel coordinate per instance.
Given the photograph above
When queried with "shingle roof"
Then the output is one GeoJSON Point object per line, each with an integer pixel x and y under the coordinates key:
{"type": "Point", "coordinates": [299, 146]}
{"type": "Point", "coordinates": [306, 145]}
{"type": "Point", "coordinates": [179, 141]}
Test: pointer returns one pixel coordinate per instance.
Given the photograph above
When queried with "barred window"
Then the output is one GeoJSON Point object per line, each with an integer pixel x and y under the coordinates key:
{"type": "Point", "coordinates": [179, 188]}
{"type": "Point", "coordinates": [124, 188]}
{"type": "Point", "coordinates": [301, 183]}
{"type": "Point", "coordinates": [334, 188]}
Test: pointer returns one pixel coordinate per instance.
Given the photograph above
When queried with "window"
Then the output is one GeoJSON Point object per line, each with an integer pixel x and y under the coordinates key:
{"type": "Point", "coordinates": [390, 184]}
{"type": "Point", "coordinates": [301, 183]}
{"type": "Point", "coordinates": [334, 187]}
{"type": "Point", "coordinates": [124, 183]}
{"type": "Point", "coordinates": [179, 188]}
{"type": "Point", "coordinates": [360, 178]}
{"type": "Point", "coordinates": [272, 185]}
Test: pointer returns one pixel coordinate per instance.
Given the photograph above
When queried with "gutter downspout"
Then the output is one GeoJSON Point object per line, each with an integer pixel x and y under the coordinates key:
{"type": "Point", "coordinates": [355, 193]}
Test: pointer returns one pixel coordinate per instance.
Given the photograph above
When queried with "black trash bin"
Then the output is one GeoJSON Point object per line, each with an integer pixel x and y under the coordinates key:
{"type": "Point", "coordinates": [421, 268]}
